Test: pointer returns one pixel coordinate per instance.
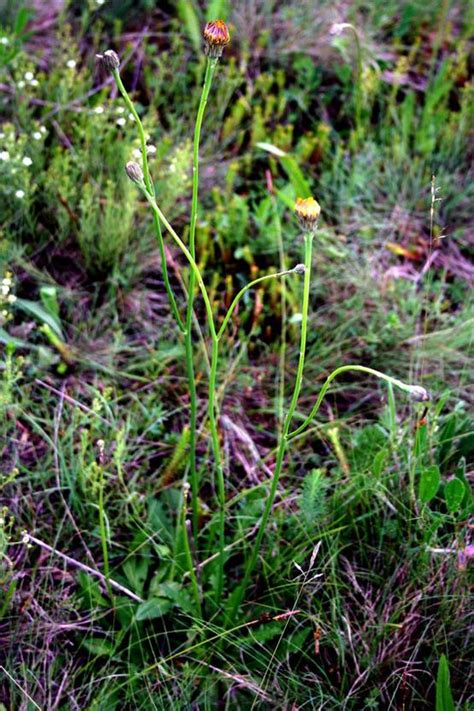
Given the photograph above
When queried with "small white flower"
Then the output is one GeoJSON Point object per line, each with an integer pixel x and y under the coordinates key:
{"type": "Point", "coordinates": [29, 76]}
{"type": "Point", "coordinates": [11, 298]}
{"type": "Point", "coordinates": [4, 290]}
{"type": "Point", "coordinates": [99, 2]}
{"type": "Point", "coordinates": [120, 109]}
{"type": "Point", "coordinates": [6, 282]}
{"type": "Point", "coordinates": [20, 194]}
{"type": "Point", "coordinates": [4, 155]}
{"type": "Point", "coordinates": [43, 129]}
{"type": "Point", "coordinates": [99, 110]}
{"type": "Point", "coordinates": [4, 40]}
{"type": "Point", "coordinates": [34, 82]}
{"type": "Point", "coordinates": [131, 117]}
{"type": "Point", "coordinates": [37, 136]}
{"type": "Point", "coordinates": [71, 63]}
{"type": "Point", "coordinates": [27, 161]}
{"type": "Point", "coordinates": [121, 122]}
{"type": "Point", "coordinates": [136, 153]}
{"type": "Point", "coordinates": [151, 150]}
{"type": "Point", "coordinates": [21, 84]}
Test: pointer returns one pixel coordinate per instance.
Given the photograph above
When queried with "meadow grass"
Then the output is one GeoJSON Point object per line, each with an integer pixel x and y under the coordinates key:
{"type": "Point", "coordinates": [327, 563]}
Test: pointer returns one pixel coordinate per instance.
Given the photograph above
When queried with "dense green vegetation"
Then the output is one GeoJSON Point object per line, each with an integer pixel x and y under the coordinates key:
{"type": "Point", "coordinates": [360, 596]}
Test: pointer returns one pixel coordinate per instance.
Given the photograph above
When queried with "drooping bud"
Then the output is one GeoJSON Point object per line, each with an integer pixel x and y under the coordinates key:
{"type": "Point", "coordinates": [110, 60]}
{"type": "Point", "coordinates": [299, 269]}
{"type": "Point", "coordinates": [216, 37]}
{"type": "Point", "coordinates": [135, 173]}
{"type": "Point", "coordinates": [418, 393]}
{"type": "Point", "coordinates": [307, 211]}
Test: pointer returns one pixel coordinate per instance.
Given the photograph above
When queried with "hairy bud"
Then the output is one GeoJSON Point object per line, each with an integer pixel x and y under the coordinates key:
{"type": "Point", "coordinates": [216, 37]}
{"type": "Point", "coordinates": [110, 60]}
{"type": "Point", "coordinates": [134, 172]}
{"type": "Point", "coordinates": [299, 269]}
{"type": "Point", "coordinates": [418, 393]}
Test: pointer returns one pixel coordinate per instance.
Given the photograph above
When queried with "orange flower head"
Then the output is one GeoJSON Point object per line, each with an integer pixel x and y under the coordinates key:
{"type": "Point", "coordinates": [216, 37]}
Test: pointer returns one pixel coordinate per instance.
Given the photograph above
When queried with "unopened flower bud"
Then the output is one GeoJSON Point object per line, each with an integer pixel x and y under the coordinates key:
{"type": "Point", "coordinates": [419, 393]}
{"type": "Point", "coordinates": [134, 172]}
{"type": "Point", "coordinates": [110, 60]}
{"type": "Point", "coordinates": [299, 269]}
{"type": "Point", "coordinates": [216, 37]}
{"type": "Point", "coordinates": [307, 211]}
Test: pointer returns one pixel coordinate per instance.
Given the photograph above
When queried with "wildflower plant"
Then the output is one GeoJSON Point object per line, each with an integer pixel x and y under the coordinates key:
{"type": "Point", "coordinates": [307, 210]}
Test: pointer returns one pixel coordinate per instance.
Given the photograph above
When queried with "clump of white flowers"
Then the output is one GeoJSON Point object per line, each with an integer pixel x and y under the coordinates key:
{"type": "Point", "coordinates": [7, 297]}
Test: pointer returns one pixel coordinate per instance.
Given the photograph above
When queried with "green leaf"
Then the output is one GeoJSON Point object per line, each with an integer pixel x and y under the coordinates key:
{"type": "Point", "coordinates": [189, 17]}
{"type": "Point", "coordinates": [136, 570]}
{"type": "Point", "coordinates": [454, 492]}
{"type": "Point", "coordinates": [99, 647]}
{"type": "Point", "coordinates": [429, 484]}
{"type": "Point", "coordinates": [152, 609]}
{"type": "Point", "coordinates": [217, 9]}
{"type": "Point", "coordinates": [313, 496]}
{"type": "Point", "coordinates": [49, 299]}
{"type": "Point", "coordinates": [40, 313]}
{"type": "Point", "coordinates": [444, 697]}
{"type": "Point", "coordinates": [291, 168]}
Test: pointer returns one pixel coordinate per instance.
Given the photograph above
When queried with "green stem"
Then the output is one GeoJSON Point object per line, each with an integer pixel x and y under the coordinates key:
{"type": "Point", "coordinates": [210, 69]}
{"type": "Point", "coordinates": [213, 416]}
{"type": "Point", "coordinates": [189, 257]}
{"type": "Point", "coordinates": [411, 389]}
{"type": "Point", "coordinates": [189, 557]}
{"type": "Point", "coordinates": [243, 291]}
{"type": "Point", "coordinates": [151, 189]}
{"type": "Point", "coordinates": [103, 532]}
{"type": "Point", "coordinates": [239, 593]}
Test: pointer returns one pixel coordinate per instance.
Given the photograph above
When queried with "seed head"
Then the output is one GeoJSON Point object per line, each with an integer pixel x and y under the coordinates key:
{"type": "Point", "coordinates": [216, 37]}
{"type": "Point", "coordinates": [134, 172]}
{"type": "Point", "coordinates": [110, 60]}
{"type": "Point", "coordinates": [307, 211]}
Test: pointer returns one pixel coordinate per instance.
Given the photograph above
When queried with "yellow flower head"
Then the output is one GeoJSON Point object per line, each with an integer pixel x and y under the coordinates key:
{"type": "Point", "coordinates": [307, 211]}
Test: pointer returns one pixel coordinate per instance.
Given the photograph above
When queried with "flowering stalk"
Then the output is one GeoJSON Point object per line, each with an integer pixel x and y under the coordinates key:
{"type": "Point", "coordinates": [215, 337]}
{"type": "Point", "coordinates": [416, 391]}
{"type": "Point", "coordinates": [308, 214]}
{"type": "Point", "coordinates": [210, 69]}
{"type": "Point", "coordinates": [111, 62]}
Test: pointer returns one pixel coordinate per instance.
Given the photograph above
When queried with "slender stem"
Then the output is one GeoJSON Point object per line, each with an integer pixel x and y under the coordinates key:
{"type": "Point", "coordinates": [236, 599]}
{"type": "Point", "coordinates": [213, 416]}
{"type": "Point", "coordinates": [344, 369]}
{"type": "Point", "coordinates": [187, 551]}
{"type": "Point", "coordinates": [151, 189]}
{"type": "Point", "coordinates": [103, 531]}
{"type": "Point", "coordinates": [246, 288]}
{"type": "Point", "coordinates": [281, 377]}
{"type": "Point", "coordinates": [189, 257]}
{"type": "Point", "coordinates": [188, 339]}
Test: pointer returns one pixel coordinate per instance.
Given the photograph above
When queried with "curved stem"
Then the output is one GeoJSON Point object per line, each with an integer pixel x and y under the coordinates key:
{"type": "Point", "coordinates": [210, 69]}
{"type": "Point", "coordinates": [237, 597]}
{"type": "Point", "coordinates": [151, 189]}
{"type": "Point", "coordinates": [243, 291]}
{"type": "Point", "coordinates": [412, 389]}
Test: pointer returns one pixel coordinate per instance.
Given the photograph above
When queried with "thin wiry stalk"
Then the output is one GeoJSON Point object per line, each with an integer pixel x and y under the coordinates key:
{"type": "Point", "coordinates": [188, 339]}
{"type": "Point", "coordinates": [237, 597]}
{"type": "Point", "coordinates": [151, 189]}
{"type": "Point", "coordinates": [415, 390]}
